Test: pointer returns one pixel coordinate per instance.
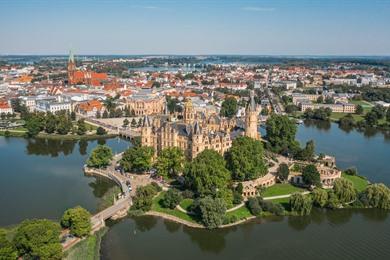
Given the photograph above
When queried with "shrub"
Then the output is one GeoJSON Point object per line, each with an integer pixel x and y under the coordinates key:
{"type": "Point", "coordinates": [171, 199]}
{"type": "Point", "coordinates": [100, 131]}
{"type": "Point", "coordinates": [187, 194]}
{"type": "Point", "coordinates": [230, 219]}
{"type": "Point", "coordinates": [253, 206]}
{"type": "Point", "coordinates": [351, 171]}
{"type": "Point", "coordinates": [237, 198]}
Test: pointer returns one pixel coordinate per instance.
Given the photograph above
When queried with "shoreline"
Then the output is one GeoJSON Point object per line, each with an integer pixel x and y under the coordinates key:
{"type": "Point", "coordinates": [22, 134]}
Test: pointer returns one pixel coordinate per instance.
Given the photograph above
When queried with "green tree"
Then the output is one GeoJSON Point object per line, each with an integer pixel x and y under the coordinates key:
{"type": "Point", "coordinates": [311, 176]}
{"type": "Point", "coordinates": [254, 206]}
{"type": "Point", "coordinates": [283, 172]}
{"type": "Point", "coordinates": [78, 220]}
{"type": "Point", "coordinates": [170, 162]}
{"type": "Point", "coordinates": [105, 114]}
{"type": "Point", "coordinates": [81, 127]}
{"type": "Point", "coordinates": [344, 190]}
{"type": "Point", "coordinates": [320, 197]}
{"type": "Point", "coordinates": [245, 159]}
{"type": "Point", "coordinates": [133, 123]}
{"type": "Point", "coordinates": [38, 239]}
{"type": "Point", "coordinates": [171, 199]}
{"type": "Point", "coordinates": [73, 116]}
{"type": "Point", "coordinates": [7, 249]}
{"type": "Point", "coordinates": [51, 123]}
{"type": "Point", "coordinates": [359, 110]}
{"type": "Point", "coordinates": [144, 197]}
{"type": "Point", "coordinates": [388, 115]}
{"type": "Point", "coordinates": [34, 125]}
{"type": "Point", "coordinates": [229, 107]}
{"type": "Point", "coordinates": [64, 124]}
{"type": "Point", "coordinates": [207, 174]}
{"type": "Point", "coordinates": [320, 99]}
{"type": "Point", "coordinates": [100, 157]}
{"type": "Point", "coordinates": [281, 134]}
{"type": "Point", "coordinates": [100, 131]}
{"type": "Point", "coordinates": [376, 196]}
{"type": "Point", "coordinates": [126, 122]}
{"type": "Point", "coordinates": [301, 204]}
{"type": "Point", "coordinates": [212, 212]}
{"type": "Point", "coordinates": [371, 118]}
{"type": "Point", "coordinates": [137, 159]}
{"type": "Point", "coordinates": [307, 153]}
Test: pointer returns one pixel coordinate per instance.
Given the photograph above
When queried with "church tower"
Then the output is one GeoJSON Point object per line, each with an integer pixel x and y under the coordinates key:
{"type": "Point", "coordinates": [146, 132]}
{"type": "Point", "coordinates": [251, 115]}
{"type": "Point", "coordinates": [71, 68]}
{"type": "Point", "coordinates": [188, 113]}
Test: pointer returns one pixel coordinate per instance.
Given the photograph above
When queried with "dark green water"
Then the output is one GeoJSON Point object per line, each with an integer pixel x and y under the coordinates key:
{"type": "Point", "coordinates": [42, 178]}
{"type": "Point", "coordinates": [341, 234]}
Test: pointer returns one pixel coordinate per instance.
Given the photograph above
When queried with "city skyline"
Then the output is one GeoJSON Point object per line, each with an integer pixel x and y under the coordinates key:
{"type": "Point", "coordinates": [337, 28]}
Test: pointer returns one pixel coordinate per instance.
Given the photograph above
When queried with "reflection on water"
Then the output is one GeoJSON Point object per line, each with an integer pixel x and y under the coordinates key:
{"type": "Point", "coordinates": [41, 178]}
{"type": "Point", "coordinates": [347, 233]}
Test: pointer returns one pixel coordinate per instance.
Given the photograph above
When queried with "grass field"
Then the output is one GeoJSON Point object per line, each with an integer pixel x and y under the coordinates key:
{"type": "Point", "coordinates": [240, 213]}
{"type": "Point", "coordinates": [156, 206]}
{"type": "Point", "coordinates": [186, 203]}
{"type": "Point", "coordinates": [337, 116]}
{"type": "Point", "coordinates": [87, 249]}
{"type": "Point", "coordinates": [359, 182]}
{"type": "Point", "coordinates": [281, 189]}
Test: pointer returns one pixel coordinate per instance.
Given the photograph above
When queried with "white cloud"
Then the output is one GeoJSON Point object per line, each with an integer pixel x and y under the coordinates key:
{"type": "Point", "coordinates": [258, 9]}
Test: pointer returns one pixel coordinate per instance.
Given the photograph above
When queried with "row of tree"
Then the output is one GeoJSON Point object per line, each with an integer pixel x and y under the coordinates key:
{"type": "Point", "coordinates": [40, 238]}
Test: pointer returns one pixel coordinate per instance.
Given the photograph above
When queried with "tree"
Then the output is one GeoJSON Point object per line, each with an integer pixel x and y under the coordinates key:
{"type": "Point", "coordinates": [376, 196]}
{"type": "Point", "coordinates": [171, 199]}
{"type": "Point", "coordinates": [73, 116]}
{"type": "Point", "coordinates": [359, 110]}
{"type": "Point", "coordinates": [265, 111]}
{"type": "Point", "coordinates": [281, 133]}
{"type": "Point", "coordinates": [100, 131]}
{"type": "Point", "coordinates": [320, 197]}
{"type": "Point", "coordinates": [301, 204]}
{"type": "Point", "coordinates": [144, 197]}
{"type": "Point", "coordinates": [320, 99]}
{"type": "Point", "coordinates": [78, 220]}
{"type": "Point", "coordinates": [110, 104]}
{"type": "Point", "coordinates": [38, 239]}
{"type": "Point", "coordinates": [388, 115]}
{"type": "Point", "coordinates": [137, 159]}
{"type": "Point", "coordinates": [98, 114]}
{"type": "Point", "coordinates": [64, 124]}
{"type": "Point", "coordinates": [81, 127]}
{"type": "Point", "coordinates": [7, 249]}
{"type": "Point", "coordinates": [105, 114]}
{"type": "Point", "coordinates": [207, 174]}
{"type": "Point", "coordinates": [170, 162]}
{"type": "Point", "coordinates": [51, 123]}
{"type": "Point", "coordinates": [307, 153]}
{"type": "Point", "coordinates": [133, 123]}
{"type": "Point", "coordinates": [344, 190]}
{"type": "Point", "coordinates": [371, 118]}
{"type": "Point", "coordinates": [379, 110]}
{"type": "Point", "coordinates": [125, 122]}
{"type": "Point", "coordinates": [212, 211]}
{"type": "Point", "coordinates": [347, 122]}
{"type": "Point", "coordinates": [229, 107]}
{"type": "Point", "coordinates": [283, 172]}
{"type": "Point", "coordinates": [34, 125]}
{"type": "Point", "coordinates": [245, 159]}
{"type": "Point", "coordinates": [291, 108]}
{"type": "Point", "coordinates": [329, 100]}
{"type": "Point", "coordinates": [254, 206]}
{"type": "Point", "coordinates": [100, 157]}
{"type": "Point", "coordinates": [311, 176]}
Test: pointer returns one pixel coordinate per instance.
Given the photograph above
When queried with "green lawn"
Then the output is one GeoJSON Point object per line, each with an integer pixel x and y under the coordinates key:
{"type": "Point", "coordinates": [285, 202]}
{"type": "Point", "coordinates": [363, 103]}
{"type": "Point", "coordinates": [337, 116]}
{"type": "Point", "coordinates": [240, 213]}
{"type": "Point", "coordinates": [156, 206]}
{"type": "Point", "coordinates": [186, 203]}
{"type": "Point", "coordinates": [359, 182]}
{"type": "Point", "coordinates": [88, 248]}
{"type": "Point", "coordinates": [281, 189]}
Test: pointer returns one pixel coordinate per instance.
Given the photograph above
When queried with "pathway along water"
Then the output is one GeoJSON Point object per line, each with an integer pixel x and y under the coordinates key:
{"type": "Point", "coordinates": [341, 234]}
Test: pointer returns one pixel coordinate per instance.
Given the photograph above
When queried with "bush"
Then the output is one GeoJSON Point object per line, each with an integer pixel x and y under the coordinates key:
{"type": "Point", "coordinates": [376, 196]}
{"type": "Point", "coordinates": [187, 194]}
{"type": "Point", "coordinates": [230, 219]}
{"type": "Point", "coordinates": [171, 199]}
{"type": "Point", "coordinates": [271, 207]}
{"type": "Point", "coordinates": [100, 131]}
{"type": "Point", "coordinates": [78, 220]}
{"type": "Point", "coordinates": [156, 187]}
{"type": "Point", "coordinates": [351, 171]}
{"type": "Point", "coordinates": [253, 206]}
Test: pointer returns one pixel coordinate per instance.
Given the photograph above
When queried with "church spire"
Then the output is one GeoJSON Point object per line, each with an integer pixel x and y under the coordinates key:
{"type": "Point", "coordinates": [71, 57]}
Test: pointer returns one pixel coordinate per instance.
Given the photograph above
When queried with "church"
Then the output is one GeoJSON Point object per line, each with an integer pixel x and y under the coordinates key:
{"type": "Point", "coordinates": [198, 131]}
{"type": "Point", "coordinates": [83, 77]}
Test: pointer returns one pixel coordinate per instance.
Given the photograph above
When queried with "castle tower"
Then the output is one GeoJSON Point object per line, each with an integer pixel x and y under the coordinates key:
{"type": "Point", "coordinates": [71, 68]}
{"type": "Point", "coordinates": [188, 113]}
{"type": "Point", "coordinates": [146, 132]}
{"type": "Point", "coordinates": [251, 115]}
{"type": "Point", "coordinates": [197, 140]}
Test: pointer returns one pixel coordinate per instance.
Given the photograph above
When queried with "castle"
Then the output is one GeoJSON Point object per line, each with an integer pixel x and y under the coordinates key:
{"type": "Point", "coordinates": [86, 77]}
{"type": "Point", "coordinates": [197, 131]}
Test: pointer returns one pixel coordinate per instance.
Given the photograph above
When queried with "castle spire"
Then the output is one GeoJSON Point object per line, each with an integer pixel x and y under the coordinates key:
{"type": "Point", "coordinates": [71, 57]}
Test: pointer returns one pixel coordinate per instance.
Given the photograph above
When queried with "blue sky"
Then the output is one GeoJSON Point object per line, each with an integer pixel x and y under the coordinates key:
{"type": "Point", "coordinates": [258, 27]}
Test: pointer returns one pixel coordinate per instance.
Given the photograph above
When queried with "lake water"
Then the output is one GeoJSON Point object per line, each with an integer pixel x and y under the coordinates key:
{"type": "Point", "coordinates": [341, 234]}
{"type": "Point", "coordinates": [41, 179]}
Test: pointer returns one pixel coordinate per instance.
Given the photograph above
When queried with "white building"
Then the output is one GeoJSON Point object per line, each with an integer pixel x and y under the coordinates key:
{"type": "Point", "coordinates": [53, 107]}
